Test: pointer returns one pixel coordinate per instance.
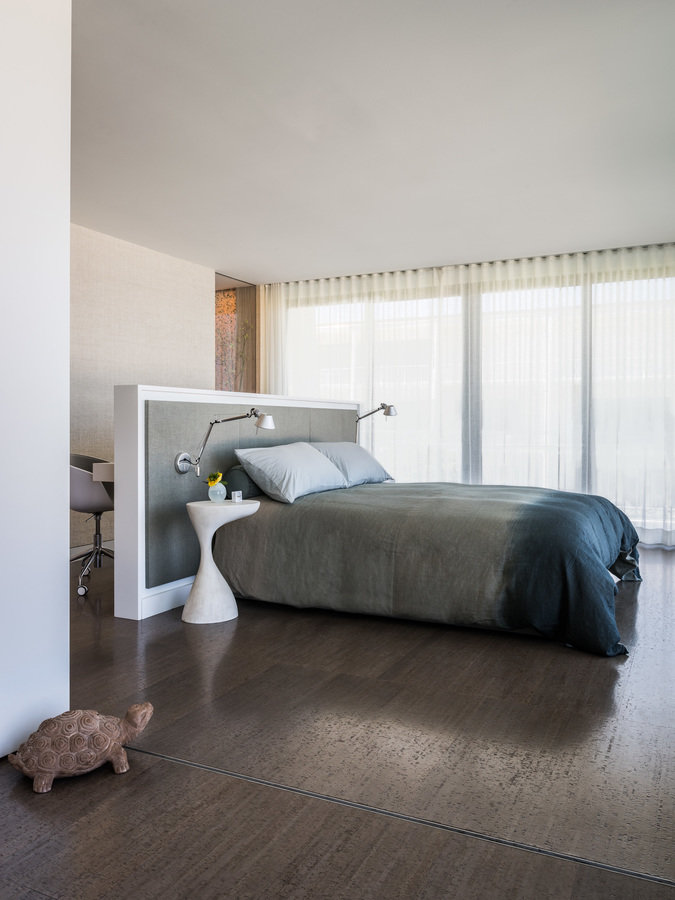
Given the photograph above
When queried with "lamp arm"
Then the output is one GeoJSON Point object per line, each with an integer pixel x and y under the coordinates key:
{"type": "Point", "coordinates": [195, 462]}
{"type": "Point", "coordinates": [248, 415]}
{"type": "Point", "coordinates": [183, 462]}
{"type": "Point", "coordinates": [372, 412]}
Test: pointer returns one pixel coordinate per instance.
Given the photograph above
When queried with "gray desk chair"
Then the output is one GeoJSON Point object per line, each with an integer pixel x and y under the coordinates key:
{"type": "Point", "coordinates": [95, 498]}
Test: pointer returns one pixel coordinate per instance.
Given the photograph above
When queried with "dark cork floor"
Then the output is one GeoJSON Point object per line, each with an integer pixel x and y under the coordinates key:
{"type": "Point", "coordinates": [305, 754]}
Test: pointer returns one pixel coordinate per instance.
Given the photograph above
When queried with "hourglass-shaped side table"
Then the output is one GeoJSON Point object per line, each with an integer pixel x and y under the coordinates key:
{"type": "Point", "coordinates": [211, 598]}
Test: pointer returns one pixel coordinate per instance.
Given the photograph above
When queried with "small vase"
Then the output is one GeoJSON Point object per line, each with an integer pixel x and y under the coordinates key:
{"type": "Point", "coordinates": [218, 492]}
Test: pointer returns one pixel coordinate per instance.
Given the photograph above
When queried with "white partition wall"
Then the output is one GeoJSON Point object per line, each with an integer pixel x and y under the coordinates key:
{"type": "Point", "coordinates": [136, 595]}
{"type": "Point", "coordinates": [34, 364]}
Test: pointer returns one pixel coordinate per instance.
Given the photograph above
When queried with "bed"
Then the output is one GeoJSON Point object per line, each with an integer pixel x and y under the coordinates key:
{"type": "Point", "coordinates": [497, 557]}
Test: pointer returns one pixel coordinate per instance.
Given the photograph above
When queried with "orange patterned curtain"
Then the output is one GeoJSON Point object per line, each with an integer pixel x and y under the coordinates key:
{"type": "Point", "coordinates": [226, 327]}
{"type": "Point", "coordinates": [236, 340]}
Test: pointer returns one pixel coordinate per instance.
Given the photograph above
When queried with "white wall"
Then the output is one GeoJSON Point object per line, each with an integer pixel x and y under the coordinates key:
{"type": "Point", "coordinates": [34, 249]}
{"type": "Point", "coordinates": [137, 317]}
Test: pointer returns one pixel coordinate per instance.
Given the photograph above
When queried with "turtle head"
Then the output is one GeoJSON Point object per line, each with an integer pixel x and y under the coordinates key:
{"type": "Point", "coordinates": [137, 718]}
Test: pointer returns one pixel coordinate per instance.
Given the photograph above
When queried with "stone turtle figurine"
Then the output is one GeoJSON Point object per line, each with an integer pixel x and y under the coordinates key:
{"type": "Point", "coordinates": [76, 742]}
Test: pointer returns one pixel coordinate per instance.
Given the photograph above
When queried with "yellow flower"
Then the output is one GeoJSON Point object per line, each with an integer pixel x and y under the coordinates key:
{"type": "Point", "coordinates": [214, 478]}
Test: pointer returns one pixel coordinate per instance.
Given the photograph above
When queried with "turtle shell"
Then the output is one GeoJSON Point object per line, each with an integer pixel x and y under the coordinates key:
{"type": "Point", "coordinates": [69, 744]}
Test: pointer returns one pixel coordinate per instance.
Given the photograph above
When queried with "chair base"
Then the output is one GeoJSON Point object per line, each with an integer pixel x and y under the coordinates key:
{"type": "Point", "coordinates": [92, 558]}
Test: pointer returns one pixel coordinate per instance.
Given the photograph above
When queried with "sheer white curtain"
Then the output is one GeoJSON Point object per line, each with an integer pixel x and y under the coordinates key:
{"type": "Point", "coordinates": [393, 338]}
{"type": "Point", "coordinates": [553, 371]}
{"type": "Point", "coordinates": [633, 386]}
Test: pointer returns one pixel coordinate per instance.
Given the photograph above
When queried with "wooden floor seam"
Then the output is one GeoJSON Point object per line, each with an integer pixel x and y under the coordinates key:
{"type": "Point", "coordinates": [415, 820]}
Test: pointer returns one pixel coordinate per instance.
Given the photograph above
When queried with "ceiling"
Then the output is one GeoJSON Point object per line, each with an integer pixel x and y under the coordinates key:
{"type": "Point", "coordinates": [278, 141]}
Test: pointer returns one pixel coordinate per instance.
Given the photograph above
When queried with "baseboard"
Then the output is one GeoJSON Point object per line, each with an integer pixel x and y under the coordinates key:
{"type": "Point", "coordinates": [151, 601]}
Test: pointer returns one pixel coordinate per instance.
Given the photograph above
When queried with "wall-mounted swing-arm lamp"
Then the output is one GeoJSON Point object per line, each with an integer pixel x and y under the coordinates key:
{"type": "Point", "coordinates": [184, 462]}
{"type": "Point", "coordinates": [388, 409]}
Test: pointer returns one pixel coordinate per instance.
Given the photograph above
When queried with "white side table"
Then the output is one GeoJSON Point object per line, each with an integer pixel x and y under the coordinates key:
{"type": "Point", "coordinates": [211, 598]}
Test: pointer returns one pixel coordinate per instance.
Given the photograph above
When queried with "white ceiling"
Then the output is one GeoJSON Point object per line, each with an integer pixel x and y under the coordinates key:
{"type": "Point", "coordinates": [275, 141]}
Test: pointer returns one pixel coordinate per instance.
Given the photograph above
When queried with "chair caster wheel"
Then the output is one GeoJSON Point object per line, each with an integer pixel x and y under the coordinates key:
{"type": "Point", "coordinates": [82, 590]}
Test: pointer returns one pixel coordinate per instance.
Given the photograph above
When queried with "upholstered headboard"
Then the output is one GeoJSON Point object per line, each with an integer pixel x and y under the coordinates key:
{"type": "Point", "coordinates": [156, 550]}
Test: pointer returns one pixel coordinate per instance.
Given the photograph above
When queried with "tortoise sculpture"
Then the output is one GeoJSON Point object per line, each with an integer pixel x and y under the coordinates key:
{"type": "Point", "coordinates": [76, 742]}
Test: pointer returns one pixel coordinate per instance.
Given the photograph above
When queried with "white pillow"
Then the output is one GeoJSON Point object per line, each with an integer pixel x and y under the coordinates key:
{"type": "Point", "coordinates": [289, 471]}
{"type": "Point", "coordinates": [354, 461]}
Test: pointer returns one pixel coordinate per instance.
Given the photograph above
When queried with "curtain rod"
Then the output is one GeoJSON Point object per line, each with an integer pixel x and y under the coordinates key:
{"type": "Point", "coordinates": [489, 262]}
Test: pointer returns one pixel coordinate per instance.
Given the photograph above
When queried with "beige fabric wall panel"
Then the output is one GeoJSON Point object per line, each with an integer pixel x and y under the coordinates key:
{"type": "Point", "coordinates": [137, 317]}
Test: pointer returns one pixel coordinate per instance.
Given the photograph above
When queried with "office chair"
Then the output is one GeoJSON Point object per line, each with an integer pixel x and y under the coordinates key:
{"type": "Point", "coordinates": [94, 497]}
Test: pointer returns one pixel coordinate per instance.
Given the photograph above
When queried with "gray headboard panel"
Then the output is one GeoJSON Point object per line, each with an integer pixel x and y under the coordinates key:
{"type": "Point", "coordinates": [172, 551]}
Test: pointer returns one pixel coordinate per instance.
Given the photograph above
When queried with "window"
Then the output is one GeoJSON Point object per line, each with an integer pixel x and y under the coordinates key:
{"type": "Point", "coordinates": [553, 371]}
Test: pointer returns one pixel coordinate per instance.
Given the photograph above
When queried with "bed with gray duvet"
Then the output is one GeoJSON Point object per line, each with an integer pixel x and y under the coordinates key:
{"type": "Point", "coordinates": [496, 557]}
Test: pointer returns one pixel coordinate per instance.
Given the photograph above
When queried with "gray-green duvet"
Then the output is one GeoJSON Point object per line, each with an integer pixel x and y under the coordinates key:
{"type": "Point", "coordinates": [511, 558]}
